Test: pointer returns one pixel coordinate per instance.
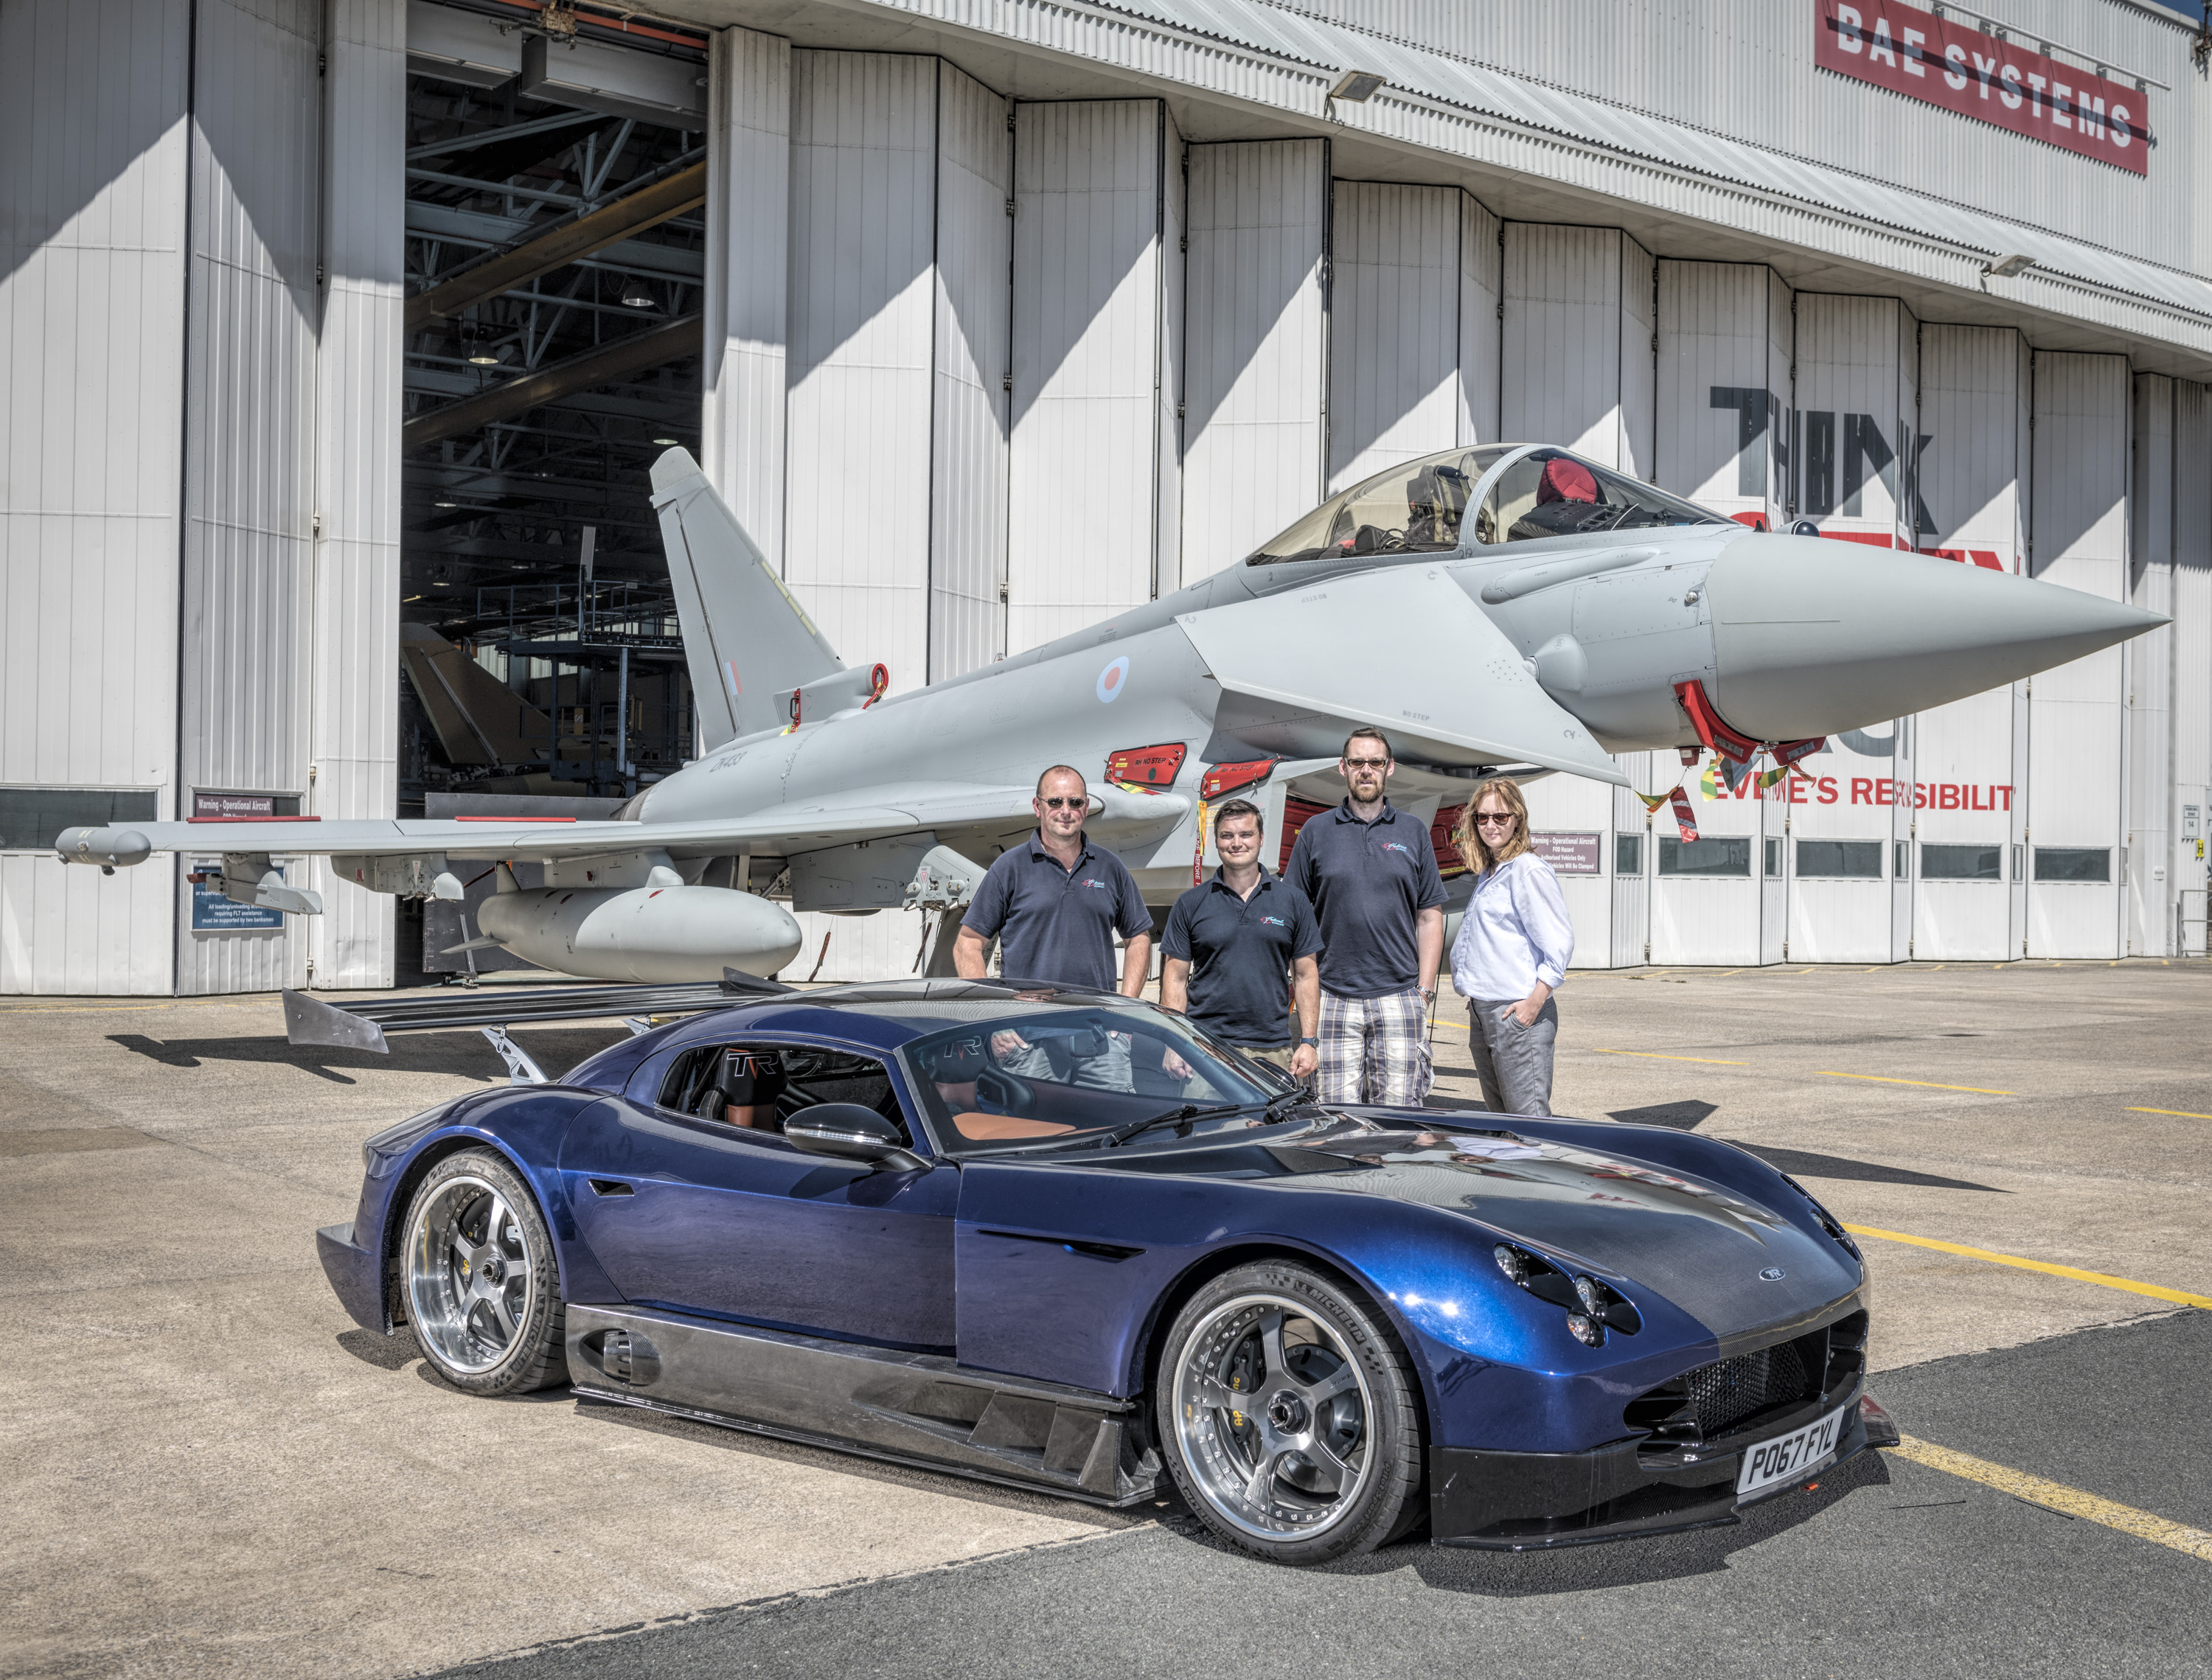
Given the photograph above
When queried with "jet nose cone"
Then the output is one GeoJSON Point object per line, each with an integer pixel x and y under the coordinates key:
{"type": "Point", "coordinates": [1812, 637]}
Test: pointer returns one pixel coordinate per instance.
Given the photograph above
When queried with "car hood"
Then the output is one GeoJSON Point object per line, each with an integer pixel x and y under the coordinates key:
{"type": "Point", "coordinates": [1735, 1265]}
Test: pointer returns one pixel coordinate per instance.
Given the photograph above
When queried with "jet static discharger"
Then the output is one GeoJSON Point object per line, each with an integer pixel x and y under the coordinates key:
{"type": "Point", "coordinates": [1508, 607]}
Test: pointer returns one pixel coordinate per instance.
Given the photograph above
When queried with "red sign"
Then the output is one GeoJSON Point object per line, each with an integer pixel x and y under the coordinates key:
{"type": "Point", "coordinates": [1568, 854]}
{"type": "Point", "coordinates": [1142, 769]}
{"type": "Point", "coordinates": [1225, 779]}
{"type": "Point", "coordinates": [1948, 62]}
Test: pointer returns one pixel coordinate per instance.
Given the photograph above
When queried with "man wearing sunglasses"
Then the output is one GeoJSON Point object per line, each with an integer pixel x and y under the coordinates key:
{"type": "Point", "coordinates": [1371, 876]}
{"type": "Point", "coordinates": [1055, 903]}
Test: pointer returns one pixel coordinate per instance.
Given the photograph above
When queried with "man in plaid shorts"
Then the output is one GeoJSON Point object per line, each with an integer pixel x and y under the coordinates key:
{"type": "Point", "coordinates": [1371, 876]}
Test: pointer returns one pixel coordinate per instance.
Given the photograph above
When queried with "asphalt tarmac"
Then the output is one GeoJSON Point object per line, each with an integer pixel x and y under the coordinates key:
{"type": "Point", "coordinates": [209, 1470]}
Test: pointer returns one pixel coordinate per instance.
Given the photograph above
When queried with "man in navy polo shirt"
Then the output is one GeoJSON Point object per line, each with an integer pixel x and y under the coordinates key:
{"type": "Point", "coordinates": [1372, 874]}
{"type": "Point", "coordinates": [1054, 904]}
{"type": "Point", "coordinates": [1239, 947]}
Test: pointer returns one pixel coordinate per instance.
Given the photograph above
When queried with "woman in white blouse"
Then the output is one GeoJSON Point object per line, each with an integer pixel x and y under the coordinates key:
{"type": "Point", "coordinates": [1512, 951]}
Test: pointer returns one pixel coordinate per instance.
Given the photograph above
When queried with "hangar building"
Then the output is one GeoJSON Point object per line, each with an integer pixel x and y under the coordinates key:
{"type": "Point", "coordinates": [336, 336]}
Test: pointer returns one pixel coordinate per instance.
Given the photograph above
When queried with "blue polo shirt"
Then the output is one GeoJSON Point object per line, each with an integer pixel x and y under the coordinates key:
{"type": "Point", "coordinates": [1367, 880]}
{"type": "Point", "coordinates": [1058, 925]}
{"type": "Point", "coordinates": [1240, 952]}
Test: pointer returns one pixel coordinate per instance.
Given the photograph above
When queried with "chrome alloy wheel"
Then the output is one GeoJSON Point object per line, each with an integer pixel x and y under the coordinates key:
{"type": "Point", "coordinates": [1270, 1413]}
{"type": "Point", "coordinates": [471, 1280]}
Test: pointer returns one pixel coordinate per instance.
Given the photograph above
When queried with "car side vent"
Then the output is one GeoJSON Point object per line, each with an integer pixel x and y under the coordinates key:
{"type": "Point", "coordinates": [1829, 1222]}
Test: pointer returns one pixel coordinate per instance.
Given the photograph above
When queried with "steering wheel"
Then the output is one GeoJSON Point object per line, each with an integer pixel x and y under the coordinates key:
{"type": "Point", "coordinates": [1003, 1092]}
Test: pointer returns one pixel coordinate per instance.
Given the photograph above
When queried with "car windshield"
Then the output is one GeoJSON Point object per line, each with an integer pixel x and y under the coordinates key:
{"type": "Point", "coordinates": [1023, 1077]}
{"type": "Point", "coordinates": [1415, 507]}
{"type": "Point", "coordinates": [1550, 493]}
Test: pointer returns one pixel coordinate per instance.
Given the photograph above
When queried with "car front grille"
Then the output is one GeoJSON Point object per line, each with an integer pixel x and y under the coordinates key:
{"type": "Point", "coordinates": [1729, 1390]}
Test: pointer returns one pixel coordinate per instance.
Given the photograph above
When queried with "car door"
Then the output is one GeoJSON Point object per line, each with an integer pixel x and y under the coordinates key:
{"type": "Point", "coordinates": [692, 1215]}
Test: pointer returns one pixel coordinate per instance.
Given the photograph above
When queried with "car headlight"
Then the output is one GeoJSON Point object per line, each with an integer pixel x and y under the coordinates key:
{"type": "Point", "coordinates": [1592, 1305]}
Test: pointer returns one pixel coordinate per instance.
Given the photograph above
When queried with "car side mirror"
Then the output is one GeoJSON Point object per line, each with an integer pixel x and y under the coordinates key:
{"type": "Point", "coordinates": [849, 1131]}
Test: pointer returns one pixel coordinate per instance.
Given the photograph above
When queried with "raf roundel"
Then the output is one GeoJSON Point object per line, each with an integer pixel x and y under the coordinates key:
{"type": "Point", "coordinates": [1112, 680]}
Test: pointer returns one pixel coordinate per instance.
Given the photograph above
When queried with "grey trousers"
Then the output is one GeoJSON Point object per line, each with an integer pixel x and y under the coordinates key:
{"type": "Point", "coordinates": [1513, 1062]}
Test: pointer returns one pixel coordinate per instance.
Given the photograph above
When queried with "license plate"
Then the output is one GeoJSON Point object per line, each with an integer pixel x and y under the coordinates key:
{"type": "Point", "coordinates": [1788, 1456]}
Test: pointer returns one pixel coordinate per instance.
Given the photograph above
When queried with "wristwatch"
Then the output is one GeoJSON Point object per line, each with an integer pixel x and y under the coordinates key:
{"type": "Point", "coordinates": [1314, 1042]}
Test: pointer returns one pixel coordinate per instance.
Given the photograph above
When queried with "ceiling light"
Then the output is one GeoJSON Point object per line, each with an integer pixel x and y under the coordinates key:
{"type": "Point", "coordinates": [1356, 87]}
{"type": "Point", "coordinates": [445, 504]}
{"type": "Point", "coordinates": [484, 356]}
{"type": "Point", "coordinates": [2004, 267]}
{"type": "Point", "coordinates": [667, 443]}
{"type": "Point", "coordinates": [634, 296]}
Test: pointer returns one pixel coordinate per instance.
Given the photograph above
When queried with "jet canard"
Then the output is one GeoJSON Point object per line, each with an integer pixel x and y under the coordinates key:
{"type": "Point", "coordinates": [1510, 607]}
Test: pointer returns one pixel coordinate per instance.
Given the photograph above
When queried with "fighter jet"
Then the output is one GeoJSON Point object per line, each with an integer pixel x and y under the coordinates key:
{"type": "Point", "coordinates": [1506, 607]}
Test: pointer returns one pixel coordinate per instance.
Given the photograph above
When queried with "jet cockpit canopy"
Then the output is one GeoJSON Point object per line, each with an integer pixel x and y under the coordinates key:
{"type": "Point", "coordinates": [1421, 506]}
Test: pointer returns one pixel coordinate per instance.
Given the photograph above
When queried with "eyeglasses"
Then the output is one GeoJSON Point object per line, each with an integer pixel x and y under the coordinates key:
{"type": "Point", "coordinates": [1503, 819]}
{"type": "Point", "coordinates": [1367, 764]}
{"type": "Point", "coordinates": [1076, 803]}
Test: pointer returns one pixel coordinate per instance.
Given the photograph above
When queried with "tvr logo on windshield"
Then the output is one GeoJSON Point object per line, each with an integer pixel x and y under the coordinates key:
{"type": "Point", "coordinates": [1772, 1275]}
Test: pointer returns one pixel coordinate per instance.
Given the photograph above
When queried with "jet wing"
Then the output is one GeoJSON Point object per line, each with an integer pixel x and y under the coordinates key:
{"type": "Point", "coordinates": [1406, 649]}
{"type": "Point", "coordinates": [801, 826]}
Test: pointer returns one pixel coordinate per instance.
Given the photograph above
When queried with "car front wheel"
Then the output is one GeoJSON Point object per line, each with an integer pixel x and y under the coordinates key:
{"type": "Point", "coordinates": [482, 1290]}
{"type": "Point", "coordinates": [1288, 1411]}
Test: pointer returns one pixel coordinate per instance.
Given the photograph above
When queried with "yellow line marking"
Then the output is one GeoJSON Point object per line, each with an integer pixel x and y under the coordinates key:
{"type": "Point", "coordinates": [2057, 1496]}
{"type": "Point", "coordinates": [1732, 971]}
{"type": "Point", "coordinates": [2158, 1290]}
{"type": "Point", "coordinates": [1925, 1084]}
{"type": "Point", "coordinates": [1653, 1056]}
{"type": "Point", "coordinates": [2182, 1113]}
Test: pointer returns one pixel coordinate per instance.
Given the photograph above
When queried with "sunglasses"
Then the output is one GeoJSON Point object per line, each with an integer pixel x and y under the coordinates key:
{"type": "Point", "coordinates": [1076, 803]}
{"type": "Point", "coordinates": [1367, 764]}
{"type": "Point", "coordinates": [1503, 819]}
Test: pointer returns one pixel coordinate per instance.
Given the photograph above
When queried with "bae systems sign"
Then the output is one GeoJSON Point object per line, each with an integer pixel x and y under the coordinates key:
{"type": "Point", "coordinates": [1954, 65]}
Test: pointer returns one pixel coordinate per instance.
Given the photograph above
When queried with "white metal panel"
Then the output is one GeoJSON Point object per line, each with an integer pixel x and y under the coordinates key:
{"type": "Point", "coordinates": [1716, 397]}
{"type": "Point", "coordinates": [1481, 291]}
{"type": "Point", "coordinates": [742, 375]}
{"type": "Point", "coordinates": [1168, 376]}
{"type": "Point", "coordinates": [1781, 380]}
{"type": "Point", "coordinates": [249, 453]}
{"type": "Point", "coordinates": [1082, 500]}
{"type": "Point", "coordinates": [862, 326]}
{"type": "Point", "coordinates": [1696, 918]}
{"type": "Point", "coordinates": [2192, 635]}
{"type": "Point", "coordinates": [93, 171]}
{"type": "Point", "coordinates": [353, 729]}
{"type": "Point", "coordinates": [2147, 890]}
{"type": "Point", "coordinates": [1559, 377]}
{"type": "Point", "coordinates": [1631, 888]}
{"type": "Point", "coordinates": [1253, 356]}
{"type": "Point", "coordinates": [2077, 793]}
{"type": "Point", "coordinates": [1639, 349]}
{"type": "Point", "coordinates": [1850, 392]}
{"type": "Point", "coordinates": [968, 466]}
{"type": "Point", "coordinates": [1393, 327]}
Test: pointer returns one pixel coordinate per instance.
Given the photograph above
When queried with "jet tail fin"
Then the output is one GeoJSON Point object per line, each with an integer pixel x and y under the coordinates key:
{"type": "Point", "coordinates": [747, 641]}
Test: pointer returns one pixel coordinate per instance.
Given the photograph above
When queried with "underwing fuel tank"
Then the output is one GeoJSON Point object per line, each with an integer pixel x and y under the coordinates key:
{"type": "Point", "coordinates": [643, 933]}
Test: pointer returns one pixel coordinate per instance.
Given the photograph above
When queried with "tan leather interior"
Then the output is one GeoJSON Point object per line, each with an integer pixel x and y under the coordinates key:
{"type": "Point", "coordinates": [984, 1128]}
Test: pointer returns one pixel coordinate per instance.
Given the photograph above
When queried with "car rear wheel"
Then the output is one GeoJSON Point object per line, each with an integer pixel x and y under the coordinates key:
{"type": "Point", "coordinates": [1289, 1415]}
{"type": "Point", "coordinates": [482, 1290]}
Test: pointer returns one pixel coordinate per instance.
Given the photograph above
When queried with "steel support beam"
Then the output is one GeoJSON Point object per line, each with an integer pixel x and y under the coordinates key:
{"type": "Point", "coordinates": [630, 214]}
{"type": "Point", "coordinates": [603, 366]}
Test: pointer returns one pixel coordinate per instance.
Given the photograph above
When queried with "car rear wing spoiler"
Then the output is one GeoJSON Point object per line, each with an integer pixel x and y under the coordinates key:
{"type": "Point", "coordinates": [492, 1010]}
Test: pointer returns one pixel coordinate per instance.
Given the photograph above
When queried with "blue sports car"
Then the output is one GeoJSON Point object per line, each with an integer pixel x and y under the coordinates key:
{"type": "Point", "coordinates": [1066, 1240]}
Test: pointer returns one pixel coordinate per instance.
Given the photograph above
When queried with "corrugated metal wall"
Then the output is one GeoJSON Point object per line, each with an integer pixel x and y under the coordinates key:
{"type": "Point", "coordinates": [862, 335]}
{"type": "Point", "coordinates": [1720, 385]}
{"type": "Point", "coordinates": [93, 171]}
{"type": "Point", "coordinates": [354, 722]}
{"type": "Point", "coordinates": [748, 260]}
{"type": "Point", "coordinates": [249, 441]}
{"type": "Point", "coordinates": [1577, 367]}
{"type": "Point", "coordinates": [1082, 507]}
{"type": "Point", "coordinates": [2148, 667]}
{"type": "Point", "coordinates": [2076, 722]}
{"type": "Point", "coordinates": [1973, 498]}
{"type": "Point", "coordinates": [1481, 291]}
{"type": "Point", "coordinates": [968, 424]}
{"type": "Point", "coordinates": [1393, 327]}
{"type": "Point", "coordinates": [2192, 651]}
{"type": "Point", "coordinates": [1253, 379]}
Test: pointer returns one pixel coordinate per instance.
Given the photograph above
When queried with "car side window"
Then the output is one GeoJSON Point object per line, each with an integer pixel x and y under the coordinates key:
{"type": "Point", "coordinates": [757, 1086]}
